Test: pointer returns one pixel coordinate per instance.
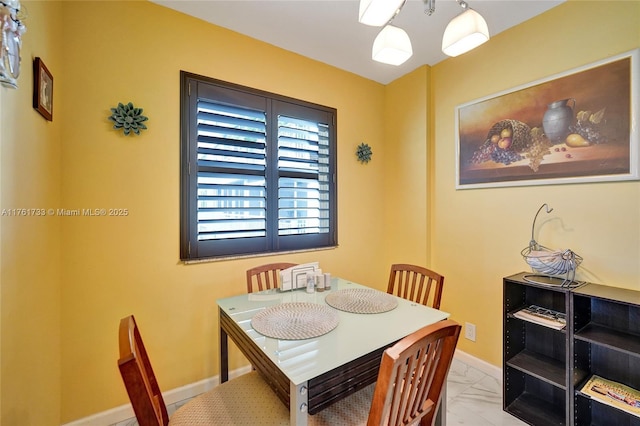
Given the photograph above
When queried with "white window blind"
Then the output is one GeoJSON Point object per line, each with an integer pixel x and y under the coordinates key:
{"type": "Point", "coordinates": [232, 193]}
{"type": "Point", "coordinates": [303, 185]}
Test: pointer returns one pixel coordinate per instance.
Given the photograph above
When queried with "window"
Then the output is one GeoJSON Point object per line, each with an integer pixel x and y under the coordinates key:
{"type": "Point", "coordinates": [258, 171]}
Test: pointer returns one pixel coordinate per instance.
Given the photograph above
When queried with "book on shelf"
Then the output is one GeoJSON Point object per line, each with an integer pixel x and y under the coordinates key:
{"type": "Point", "coordinates": [614, 394]}
{"type": "Point", "coordinates": [542, 316]}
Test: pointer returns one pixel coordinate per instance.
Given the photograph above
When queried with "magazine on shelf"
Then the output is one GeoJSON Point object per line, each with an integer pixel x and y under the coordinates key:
{"type": "Point", "coordinates": [614, 394]}
{"type": "Point", "coordinates": [542, 316]}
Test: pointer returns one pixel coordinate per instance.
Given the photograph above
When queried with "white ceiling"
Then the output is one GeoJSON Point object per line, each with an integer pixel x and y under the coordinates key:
{"type": "Point", "coordinates": [328, 30]}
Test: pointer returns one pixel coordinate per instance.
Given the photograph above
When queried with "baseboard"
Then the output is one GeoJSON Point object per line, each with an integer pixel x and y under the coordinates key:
{"type": "Point", "coordinates": [125, 412]}
{"type": "Point", "coordinates": [477, 363]}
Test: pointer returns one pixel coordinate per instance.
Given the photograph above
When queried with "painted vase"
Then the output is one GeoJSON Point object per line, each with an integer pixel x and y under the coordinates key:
{"type": "Point", "coordinates": [557, 119]}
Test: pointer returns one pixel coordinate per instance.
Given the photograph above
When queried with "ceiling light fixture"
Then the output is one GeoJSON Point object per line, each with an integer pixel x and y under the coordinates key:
{"type": "Point", "coordinates": [393, 46]}
{"type": "Point", "coordinates": [379, 12]}
{"type": "Point", "coordinates": [465, 32]}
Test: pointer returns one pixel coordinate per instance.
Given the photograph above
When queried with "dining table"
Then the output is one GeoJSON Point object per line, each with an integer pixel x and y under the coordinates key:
{"type": "Point", "coordinates": [343, 355]}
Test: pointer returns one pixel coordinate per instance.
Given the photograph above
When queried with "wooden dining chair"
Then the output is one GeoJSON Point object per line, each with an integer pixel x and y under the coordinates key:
{"type": "Point", "coordinates": [408, 390]}
{"type": "Point", "coordinates": [416, 283]}
{"type": "Point", "coordinates": [245, 400]}
{"type": "Point", "coordinates": [265, 277]}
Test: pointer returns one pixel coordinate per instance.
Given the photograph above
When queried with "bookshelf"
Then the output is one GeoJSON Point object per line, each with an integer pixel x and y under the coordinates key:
{"type": "Point", "coordinates": [535, 357]}
{"type": "Point", "coordinates": [546, 368]}
{"type": "Point", "coordinates": [606, 334]}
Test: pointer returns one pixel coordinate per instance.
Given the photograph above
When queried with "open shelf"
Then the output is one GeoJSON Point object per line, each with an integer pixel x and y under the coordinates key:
{"type": "Point", "coordinates": [540, 366]}
{"type": "Point", "coordinates": [592, 412]}
{"type": "Point", "coordinates": [611, 338]}
{"type": "Point", "coordinates": [536, 411]}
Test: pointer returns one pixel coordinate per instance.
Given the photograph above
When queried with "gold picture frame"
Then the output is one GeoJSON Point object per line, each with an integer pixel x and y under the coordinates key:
{"type": "Point", "coordinates": [42, 89]}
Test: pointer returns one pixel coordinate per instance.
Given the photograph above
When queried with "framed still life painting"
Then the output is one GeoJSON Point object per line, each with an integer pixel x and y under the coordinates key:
{"type": "Point", "coordinates": [578, 126]}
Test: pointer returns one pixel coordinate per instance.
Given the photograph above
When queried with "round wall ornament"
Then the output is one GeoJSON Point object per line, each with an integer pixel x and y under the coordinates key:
{"type": "Point", "coordinates": [364, 153]}
{"type": "Point", "coordinates": [128, 118]}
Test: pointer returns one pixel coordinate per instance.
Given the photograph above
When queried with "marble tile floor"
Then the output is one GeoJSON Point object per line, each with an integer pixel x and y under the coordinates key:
{"type": "Point", "coordinates": [473, 399]}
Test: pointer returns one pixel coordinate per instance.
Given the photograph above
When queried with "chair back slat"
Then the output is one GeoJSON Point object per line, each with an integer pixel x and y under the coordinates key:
{"type": "Point", "coordinates": [412, 375]}
{"type": "Point", "coordinates": [265, 277]}
{"type": "Point", "coordinates": [139, 379]}
{"type": "Point", "coordinates": [417, 284]}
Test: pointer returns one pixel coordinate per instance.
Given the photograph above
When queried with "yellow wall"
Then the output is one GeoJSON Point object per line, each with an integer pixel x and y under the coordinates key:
{"type": "Point", "coordinates": [30, 277]}
{"type": "Point", "coordinates": [69, 280]}
{"type": "Point", "coordinates": [114, 266]}
{"type": "Point", "coordinates": [405, 171]}
{"type": "Point", "coordinates": [479, 233]}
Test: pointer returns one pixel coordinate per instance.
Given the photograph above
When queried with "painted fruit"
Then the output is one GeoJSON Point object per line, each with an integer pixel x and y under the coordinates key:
{"type": "Point", "coordinates": [574, 140]}
{"type": "Point", "coordinates": [495, 138]}
{"type": "Point", "coordinates": [506, 133]}
{"type": "Point", "coordinates": [504, 143]}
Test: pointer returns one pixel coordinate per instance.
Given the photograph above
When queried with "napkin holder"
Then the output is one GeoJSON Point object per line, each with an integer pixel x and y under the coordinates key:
{"type": "Point", "coordinates": [296, 276]}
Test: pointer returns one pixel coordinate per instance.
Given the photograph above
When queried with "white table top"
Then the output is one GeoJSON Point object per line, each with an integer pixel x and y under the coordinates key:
{"type": "Point", "coordinates": [356, 334]}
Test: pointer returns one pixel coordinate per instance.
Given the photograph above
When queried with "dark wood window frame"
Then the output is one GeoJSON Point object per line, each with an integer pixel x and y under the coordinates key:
{"type": "Point", "coordinates": [257, 171]}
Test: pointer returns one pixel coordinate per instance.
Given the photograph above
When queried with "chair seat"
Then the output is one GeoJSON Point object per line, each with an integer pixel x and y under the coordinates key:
{"type": "Point", "coordinates": [246, 400]}
{"type": "Point", "coordinates": [350, 411]}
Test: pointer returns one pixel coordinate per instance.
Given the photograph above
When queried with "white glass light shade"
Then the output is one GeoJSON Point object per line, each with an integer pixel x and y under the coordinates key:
{"type": "Point", "coordinates": [465, 32]}
{"type": "Point", "coordinates": [392, 46]}
{"type": "Point", "coordinates": [378, 12]}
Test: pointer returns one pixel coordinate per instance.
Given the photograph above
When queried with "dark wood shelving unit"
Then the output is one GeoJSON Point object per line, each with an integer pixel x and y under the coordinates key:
{"type": "Point", "coordinates": [606, 337]}
{"type": "Point", "coordinates": [545, 369]}
{"type": "Point", "coordinates": [535, 357]}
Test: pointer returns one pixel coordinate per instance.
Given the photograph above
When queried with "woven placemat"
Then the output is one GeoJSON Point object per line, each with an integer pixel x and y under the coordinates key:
{"type": "Point", "coordinates": [295, 321]}
{"type": "Point", "coordinates": [361, 301]}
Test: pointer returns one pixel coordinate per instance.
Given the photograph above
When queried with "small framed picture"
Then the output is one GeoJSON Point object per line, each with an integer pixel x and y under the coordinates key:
{"type": "Point", "coordinates": [42, 89]}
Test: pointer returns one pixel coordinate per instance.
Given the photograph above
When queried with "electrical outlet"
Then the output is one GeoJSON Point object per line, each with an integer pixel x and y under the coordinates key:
{"type": "Point", "coordinates": [470, 331]}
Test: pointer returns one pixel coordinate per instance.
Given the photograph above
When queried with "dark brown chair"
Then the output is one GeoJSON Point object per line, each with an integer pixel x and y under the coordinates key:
{"type": "Point", "coordinates": [245, 400]}
{"type": "Point", "coordinates": [265, 277]}
{"type": "Point", "coordinates": [416, 283]}
{"type": "Point", "coordinates": [412, 375]}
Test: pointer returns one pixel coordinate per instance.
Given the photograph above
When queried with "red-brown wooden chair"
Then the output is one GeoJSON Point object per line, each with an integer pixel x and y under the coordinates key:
{"type": "Point", "coordinates": [265, 277]}
{"type": "Point", "coordinates": [417, 284]}
{"type": "Point", "coordinates": [412, 374]}
{"type": "Point", "coordinates": [245, 400]}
